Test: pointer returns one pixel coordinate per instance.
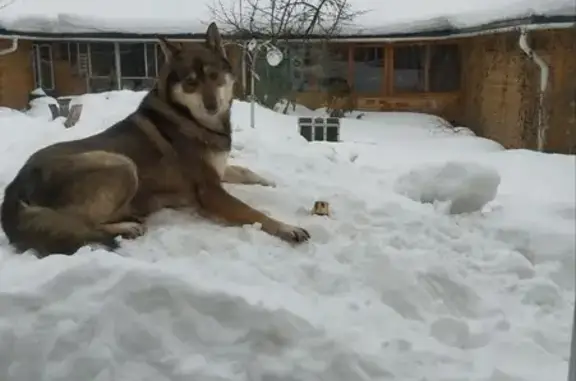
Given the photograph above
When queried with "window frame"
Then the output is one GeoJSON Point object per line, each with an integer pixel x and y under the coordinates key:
{"type": "Point", "coordinates": [37, 66]}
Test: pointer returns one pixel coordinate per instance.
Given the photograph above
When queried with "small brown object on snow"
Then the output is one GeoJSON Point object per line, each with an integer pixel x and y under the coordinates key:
{"type": "Point", "coordinates": [321, 208]}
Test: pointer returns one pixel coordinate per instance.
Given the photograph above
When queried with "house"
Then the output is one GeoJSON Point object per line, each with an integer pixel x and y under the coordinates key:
{"type": "Point", "coordinates": [67, 47]}
{"type": "Point", "coordinates": [506, 71]}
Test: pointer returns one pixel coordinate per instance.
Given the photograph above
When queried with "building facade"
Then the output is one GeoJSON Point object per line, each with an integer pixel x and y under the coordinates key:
{"type": "Point", "coordinates": [483, 79]}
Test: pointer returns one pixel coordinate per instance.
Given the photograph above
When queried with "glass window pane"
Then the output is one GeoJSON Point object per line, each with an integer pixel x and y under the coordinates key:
{"type": "Point", "coordinates": [303, 67]}
{"type": "Point", "coordinates": [102, 59]}
{"type": "Point", "coordinates": [444, 72]}
{"type": "Point", "coordinates": [46, 67]}
{"type": "Point", "coordinates": [368, 69]}
{"type": "Point", "coordinates": [151, 61]}
{"type": "Point", "coordinates": [409, 64]}
{"type": "Point", "coordinates": [335, 79]}
{"type": "Point", "coordinates": [132, 58]}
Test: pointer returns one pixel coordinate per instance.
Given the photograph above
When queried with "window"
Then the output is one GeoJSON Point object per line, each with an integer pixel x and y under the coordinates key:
{"type": "Point", "coordinates": [43, 66]}
{"type": "Point", "coordinates": [444, 68]}
{"type": "Point", "coordinates": [368, 69]}
{"type": "Point", "coordinates": [409, 68]}
{"type": "Point", "coordinates": [303, 67]}
{"type": "Point", "coordinates": [102, 67]}
{"type": "Point", "coordinates": [102, 62]}
{"type": "Point", "coordinates": [133, 60]}
{"type": "Point", "coordinates": [137, 66]}
{"type": "Point", "coordinates": [335, 73]}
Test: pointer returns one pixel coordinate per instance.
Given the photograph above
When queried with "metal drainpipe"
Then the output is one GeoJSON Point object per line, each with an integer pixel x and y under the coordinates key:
{"type": "Point", "coordinates": [544, 75]}
{"type": "Point", "coordinates": [572, 364]}
{"type": "Point", "coordinates": [11, 49]}
{"type": "Point", "coordinates": [118, 66]}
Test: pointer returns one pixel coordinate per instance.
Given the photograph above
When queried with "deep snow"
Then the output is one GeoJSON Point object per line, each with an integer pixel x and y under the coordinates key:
{"type": "Point", "coordinates": [388, 288]}
{"type": "Point", "coordinates": [177, 16]}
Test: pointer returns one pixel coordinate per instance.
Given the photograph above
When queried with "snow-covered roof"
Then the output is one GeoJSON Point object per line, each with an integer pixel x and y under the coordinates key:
{"type": "Point", "coordinates": [192, 16]}
{"type": "Point", "coordinates": [105, 16]}
{"type": "Point", "coordinates": [412, 16]}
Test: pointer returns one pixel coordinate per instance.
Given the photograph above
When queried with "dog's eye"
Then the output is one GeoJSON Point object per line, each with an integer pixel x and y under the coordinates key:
{"type": "Point", "coordinates": [213, 75]}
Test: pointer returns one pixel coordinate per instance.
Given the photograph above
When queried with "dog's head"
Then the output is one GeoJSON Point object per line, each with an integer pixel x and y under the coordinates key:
{"type": "Point", "coordinates": [199, 77]}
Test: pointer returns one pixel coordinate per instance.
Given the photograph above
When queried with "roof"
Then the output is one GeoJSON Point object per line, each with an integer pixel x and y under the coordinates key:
{"type": "Point", "coordinates": [189, 18]}
{"type": "Point", "coordinates": [417, 16]}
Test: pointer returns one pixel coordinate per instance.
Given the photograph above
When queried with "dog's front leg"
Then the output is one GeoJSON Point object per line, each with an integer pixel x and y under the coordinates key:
{"type": "Point", "coordinates": [235, 174]}
{"type": "Point", "coordinates": [216, 202]}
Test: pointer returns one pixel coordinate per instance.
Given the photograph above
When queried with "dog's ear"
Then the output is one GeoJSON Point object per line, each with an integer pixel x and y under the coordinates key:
{"type": "Point", "coordinates": [214, 40]}
{"type": "Point", "coordinates": [170, 49]}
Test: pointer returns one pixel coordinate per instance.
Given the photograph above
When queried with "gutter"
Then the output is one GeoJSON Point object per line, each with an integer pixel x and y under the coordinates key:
{"type": "Point", "coordinates": [542, 127]}
{"type": "Point", "coordinates": [448, 36]}
{"type": "Point", "coordinates": [11, 49]}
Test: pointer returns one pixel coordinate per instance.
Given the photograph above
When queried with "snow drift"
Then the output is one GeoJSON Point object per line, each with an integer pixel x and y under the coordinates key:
{"type": "Point", "coordinates": [387, 288]}
{"type": "Point", "coordinates": [464, 187]}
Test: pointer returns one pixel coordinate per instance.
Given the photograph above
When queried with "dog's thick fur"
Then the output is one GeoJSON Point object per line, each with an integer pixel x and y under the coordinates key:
{"type": "Point", "coordinates": [171, 152]}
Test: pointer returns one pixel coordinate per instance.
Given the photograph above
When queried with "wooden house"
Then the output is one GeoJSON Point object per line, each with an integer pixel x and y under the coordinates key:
{"type": "Point", "coordinates": [505, 80]}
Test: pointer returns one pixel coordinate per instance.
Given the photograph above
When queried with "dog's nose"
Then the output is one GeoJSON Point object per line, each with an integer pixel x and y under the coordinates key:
{"type": "Point", "coordinates": [210, 104]}
{"type": "Point", "coordinates": [211, 108]}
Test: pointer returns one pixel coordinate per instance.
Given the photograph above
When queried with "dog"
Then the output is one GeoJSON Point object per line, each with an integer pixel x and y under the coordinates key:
{"type": "Point", "coordinates": [171, 152]}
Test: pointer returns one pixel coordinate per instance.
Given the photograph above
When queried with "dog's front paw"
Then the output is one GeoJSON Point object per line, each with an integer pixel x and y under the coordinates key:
{"type": "Point", "coordinates": [293, 234]}
{"type": "Point", "coordinates": [126, 229]}
{"type": "Point", "coordinates": [266, 183]}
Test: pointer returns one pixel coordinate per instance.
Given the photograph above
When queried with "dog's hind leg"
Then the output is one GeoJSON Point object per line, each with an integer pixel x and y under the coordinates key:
{"type": "Point", "coordinates": [101, 191]}
{"type": "Point", "coordinates": [235, 174]}
{"type": "Point", "coordinates": [76, 200]}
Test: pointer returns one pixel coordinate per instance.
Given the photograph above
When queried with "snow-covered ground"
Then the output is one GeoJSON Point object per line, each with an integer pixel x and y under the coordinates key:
{"type": "Point", "coordinates": [392, 286]}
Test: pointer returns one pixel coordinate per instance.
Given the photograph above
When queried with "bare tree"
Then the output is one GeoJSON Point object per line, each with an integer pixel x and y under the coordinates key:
{"type": "Point", "coordinates": [280, 21]}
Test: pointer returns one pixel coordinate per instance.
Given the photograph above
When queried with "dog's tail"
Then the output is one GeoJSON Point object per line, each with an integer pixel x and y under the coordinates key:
{"type": "Point", "coordinates": [46, 230]}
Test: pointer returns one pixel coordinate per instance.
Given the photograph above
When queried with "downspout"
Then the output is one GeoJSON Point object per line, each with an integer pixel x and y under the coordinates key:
{"type": "Point", "coordinates": [11, 49]}
{"type": "Point", "coordinates": [544, 75]}
{"type": "Point", "coordinates": [118, 66]}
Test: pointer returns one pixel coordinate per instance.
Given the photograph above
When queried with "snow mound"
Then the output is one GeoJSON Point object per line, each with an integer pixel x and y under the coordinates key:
{"type": "Point", "coordinates": [100, 306]}
{"type": "Point", "coordinates": [465, 186]}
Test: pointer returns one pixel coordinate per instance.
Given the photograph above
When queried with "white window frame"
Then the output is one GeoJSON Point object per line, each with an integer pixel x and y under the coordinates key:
{"type": "Point", "coordinates": [36, 65]}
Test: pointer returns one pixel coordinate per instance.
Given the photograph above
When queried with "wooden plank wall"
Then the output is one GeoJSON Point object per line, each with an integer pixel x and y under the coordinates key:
{"type": "Point", "coordinates": [558, 49]}
{"type": "Point", "coordinates": [502, 85]}
{"type": "Point", "coordinates": [492, 91]}
{"type": "Point", "coordinates": [16, 75]}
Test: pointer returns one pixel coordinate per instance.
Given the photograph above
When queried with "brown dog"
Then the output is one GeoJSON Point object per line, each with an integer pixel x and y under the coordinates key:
{"type": "Point", "coordinates": [171, 152]}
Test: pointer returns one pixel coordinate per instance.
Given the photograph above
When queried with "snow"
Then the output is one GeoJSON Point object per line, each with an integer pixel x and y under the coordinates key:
{"type": "Point", "coordinates": [182, 17]}
{"type": "Point", "coordinates": [105, 16]}
{"type": "Point", "coordinates": [387, 288]}
{"type": "Point", "coordinates": [413, 16]}
{"type": "Point", "coordinates": [465, 187]}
